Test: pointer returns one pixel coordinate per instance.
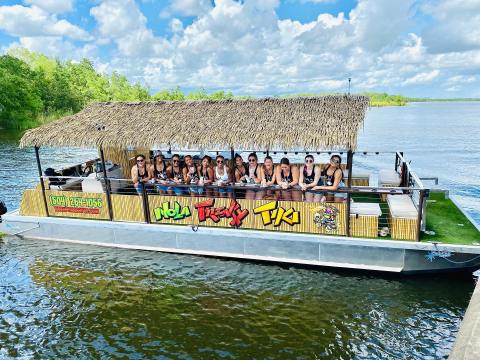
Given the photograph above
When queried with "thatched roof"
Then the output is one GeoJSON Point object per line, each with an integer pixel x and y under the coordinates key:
{"type": "Point", "coordinates": [319, 123]}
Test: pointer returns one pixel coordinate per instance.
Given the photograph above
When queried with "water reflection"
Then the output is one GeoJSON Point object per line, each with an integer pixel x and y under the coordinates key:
{"type": "Point", "coordinates": [59, 299]}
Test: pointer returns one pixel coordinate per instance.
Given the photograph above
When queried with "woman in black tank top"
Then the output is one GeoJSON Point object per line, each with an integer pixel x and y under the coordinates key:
{"type": "Point", "coordinates": [309, 178]}
{"type": "Point", "coordinates": [287, 177]}
{"type": "Point", "coordinates": [267, 178]}
{"type": "Point", "coordinates": [139, 173]}
{"type": "Point", "coordinates": [158, 172]}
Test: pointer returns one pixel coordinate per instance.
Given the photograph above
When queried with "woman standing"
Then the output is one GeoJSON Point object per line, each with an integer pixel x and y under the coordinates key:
{"type": "Point", "coordinates": [158, 172]}
{"type": "Point", "coordinates": [139, 173]}
{"type": "Point", "coordinates": [267, 178]}
{"type": "Point", "coordinates": [333, 180]}
{"type": "Point", "coordinates": [175, 175]}
{"type": "Point", "coordinates": [240, 170]}
{"type": "Point", "coordinates": [206, 173]}
{"type": "Point", "coordinates": [223, 178]}
{"type": "Point", "coordinates": [192, 175]}
{"type": "Point", "coordinates": [253, 176]}
{"type": "Point", "coordinates": [287, 177]}
{"type": "Point", "coordinates": [309, 178]}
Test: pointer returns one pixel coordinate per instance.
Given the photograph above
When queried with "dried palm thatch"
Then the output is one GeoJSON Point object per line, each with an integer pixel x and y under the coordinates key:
{"type": "Point", "coordinates": [317, 123]}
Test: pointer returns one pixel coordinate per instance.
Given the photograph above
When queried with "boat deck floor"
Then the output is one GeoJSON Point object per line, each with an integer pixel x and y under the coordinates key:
{"type": "Point", "coordinates": [446, 223]}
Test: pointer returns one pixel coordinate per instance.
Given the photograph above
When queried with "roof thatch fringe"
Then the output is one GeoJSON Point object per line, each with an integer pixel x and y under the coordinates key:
{"type": "Point", "coordinates": [328, 122]}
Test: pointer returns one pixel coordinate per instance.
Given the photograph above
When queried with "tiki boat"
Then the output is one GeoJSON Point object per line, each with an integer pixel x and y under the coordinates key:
{"type": "Point", "coordinates": [387, 221]}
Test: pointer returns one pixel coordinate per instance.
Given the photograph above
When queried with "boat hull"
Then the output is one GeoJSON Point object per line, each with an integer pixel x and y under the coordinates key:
{"type": "Point", "coordinates": [304, 249]}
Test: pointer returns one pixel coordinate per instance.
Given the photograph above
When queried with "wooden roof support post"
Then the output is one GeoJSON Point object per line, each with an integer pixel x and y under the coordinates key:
{"type": "Point", "coordinates": [349, 168]}
{"type": "Point", "coordinates": [42, 184]}
{"type": "Point", "coordinates": [107, 185]}
{"type": "Point", "coordinates": [234, 166]}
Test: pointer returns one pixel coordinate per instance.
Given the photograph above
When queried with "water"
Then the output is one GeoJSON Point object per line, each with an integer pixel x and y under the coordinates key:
{"type": "Point", "coordinates": [60, 300]}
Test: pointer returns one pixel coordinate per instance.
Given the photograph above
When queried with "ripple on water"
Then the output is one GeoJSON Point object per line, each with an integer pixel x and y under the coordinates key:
{"type": "Point", "coordinates": [59, 299]}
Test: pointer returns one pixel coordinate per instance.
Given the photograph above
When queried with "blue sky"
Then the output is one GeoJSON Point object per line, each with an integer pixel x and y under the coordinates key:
{"type": "Point", "coordinates": [428, 48]}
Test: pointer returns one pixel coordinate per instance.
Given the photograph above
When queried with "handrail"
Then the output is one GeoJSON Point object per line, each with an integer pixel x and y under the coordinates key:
{"type": "Point", "coordinates": [353, 189]}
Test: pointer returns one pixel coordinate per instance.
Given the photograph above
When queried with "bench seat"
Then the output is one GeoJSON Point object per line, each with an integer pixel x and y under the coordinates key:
{"type": "Point", "coordinates": [402, 217]}
{"type": "Point", "coordinates": [364, 219]}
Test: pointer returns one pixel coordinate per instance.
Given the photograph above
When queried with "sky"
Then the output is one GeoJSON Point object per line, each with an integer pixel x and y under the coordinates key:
{"type": "Point", "coordinates": [428, 48]}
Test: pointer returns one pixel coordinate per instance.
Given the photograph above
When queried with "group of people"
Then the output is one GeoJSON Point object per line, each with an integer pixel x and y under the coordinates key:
{"type": "Point", "coordinates": [309, 181]}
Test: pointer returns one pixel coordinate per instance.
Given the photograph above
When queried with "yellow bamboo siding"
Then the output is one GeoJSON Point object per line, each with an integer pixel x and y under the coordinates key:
{"type": "Point", "coordinates": [403, 228]}
{"type": "Point", "coordinates": [67, 203]}
{"type": "Point", "coordinates": [127, 208]}
{"type": "Point", "coordinates": [32, 203]}
{"type": "Point", "coordinates": [364, 226]}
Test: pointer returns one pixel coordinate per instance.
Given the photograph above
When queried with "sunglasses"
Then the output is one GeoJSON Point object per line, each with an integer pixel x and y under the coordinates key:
{"type": "Point", "coordinates": [140, 160]}
{"type": "Point", "coordinates": [219, 161]}
{"type": "Point", "coordinates": [251, 160]}
{"type": "Point", "coordinates": [309, 161]}
{"type": "Point", "coordinates": [334, 161]}
{"type": "Point", "coordinates": [175, 161]}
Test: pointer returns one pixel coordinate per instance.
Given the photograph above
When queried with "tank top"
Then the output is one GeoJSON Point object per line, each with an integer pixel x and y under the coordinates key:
{"type": "Point", "coordinates": [145, 174]}
{"type": "Point", "coordinates": [160, 174]}
{"type": "Point", "coordinates": [330, 179]}
{"type": "Point", "coordinates": [205, 174]}
{"type": "Point", "coordinates": [243, 173]}
{"type": "Point", "coordinates": [177, 175]}
{"type": "Point", "coordinates": [288, 179]}
{"type": "Point", "coordinates": [223, 177]}
{"type": "Point", "coordinates": [308, 179]}
{"type": "Point", "coordinates": [193, 176]}
{"type": "Point", "coordinates": [254, 171]}
{"type": "Point", "coordinates": [268, 177]}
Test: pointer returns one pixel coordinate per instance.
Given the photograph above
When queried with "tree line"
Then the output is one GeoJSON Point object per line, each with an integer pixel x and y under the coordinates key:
{"type": "Point", "coordinates": [35, 89]}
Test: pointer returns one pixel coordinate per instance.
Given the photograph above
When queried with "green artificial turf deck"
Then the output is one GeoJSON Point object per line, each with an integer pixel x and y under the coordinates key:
{"type": "Point", "coordinates": [451, 226]}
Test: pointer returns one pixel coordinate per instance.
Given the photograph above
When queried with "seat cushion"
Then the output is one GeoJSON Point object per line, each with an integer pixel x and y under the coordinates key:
{"type": "Point", "coordinates": [371, 209]}
{"type": "Point", "coordinates": [401, 206]}
{"type": "Point", "coordinates": [389, 177]}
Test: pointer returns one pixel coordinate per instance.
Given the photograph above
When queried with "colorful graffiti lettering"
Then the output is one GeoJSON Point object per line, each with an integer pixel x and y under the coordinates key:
{"type": "Point", "coordinates": [326, 216]}
{"type": "Point", "coordinates": [176, 213]}
{"type": "Point", "coordinates": [234, 211]}
{"type": "Point", "coordinates": [272, 213]}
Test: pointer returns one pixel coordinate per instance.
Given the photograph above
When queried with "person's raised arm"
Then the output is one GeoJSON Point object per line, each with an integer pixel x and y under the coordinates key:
{"type": "Point", "coordinates": [134, 174]}
{"type": "Point", "coordinates": [318, 174]}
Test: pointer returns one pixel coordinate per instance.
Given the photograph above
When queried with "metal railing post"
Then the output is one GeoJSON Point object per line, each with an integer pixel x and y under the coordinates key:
{"type": "Point", "coordinates": [146, 207]}
{"type": "Point", "coordinates": [421, 199]}
{"type": "Point", "coordinates": [349, 166]}
{"type": "Point", "coordinates": [234, 167]}
{"type": "Point", "coordinates": [42, 184]}
{"type": "Point", "coordinates": [107, 186]}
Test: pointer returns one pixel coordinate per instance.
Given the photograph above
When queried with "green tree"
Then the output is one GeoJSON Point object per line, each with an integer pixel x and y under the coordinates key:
{"type": "Point", "coordinates": [20, 100]}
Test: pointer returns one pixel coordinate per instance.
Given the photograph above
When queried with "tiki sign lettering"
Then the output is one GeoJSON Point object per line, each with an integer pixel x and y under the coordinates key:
{"type": "Point", "coordinates": [206, 210]}
{"type": "Point", "coordinates": [177, 212]}
{"type": "Point", "coordinates": [272, 213]}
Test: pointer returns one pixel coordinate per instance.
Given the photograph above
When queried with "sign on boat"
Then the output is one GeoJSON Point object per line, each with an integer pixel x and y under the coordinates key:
{"type": "Point", "coordinates": [379, 219]}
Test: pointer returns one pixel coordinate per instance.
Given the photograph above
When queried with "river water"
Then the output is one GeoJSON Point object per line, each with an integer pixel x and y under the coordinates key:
{"type": "Point", "coordinates": [70, 301]}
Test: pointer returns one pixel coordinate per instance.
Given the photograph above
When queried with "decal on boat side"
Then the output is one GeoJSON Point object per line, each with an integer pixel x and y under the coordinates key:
{"type": "Point", "coordinates": [271, 212]}
{"type": "Point", "coordinates": [234, 211]}
{"type": "Point", "coordinates": [176, 213]}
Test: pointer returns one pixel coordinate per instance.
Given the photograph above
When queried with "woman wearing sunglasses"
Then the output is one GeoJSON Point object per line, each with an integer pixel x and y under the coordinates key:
{"type": "Point", "coordinates": [253, 177]}
{"type": "Point", "coordinates": [139, 173]}
{"type": "Point", "coordinates": [333, 175]}
{"type": "Point", "coordinates": [310, 177]}
{"type": "Point", "coordinates": [175, 175]}
{"type": "Point", "coordinates": [223, 178]}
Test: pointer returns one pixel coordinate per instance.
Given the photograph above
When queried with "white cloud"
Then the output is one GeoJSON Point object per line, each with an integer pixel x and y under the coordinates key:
{"type": "Point", "coordinates": [422, 78]}
{"type": "Point", "coordinates": [187, 8]}
{"type": "Point", "coordinates": [56, 46]}
{"type": "Point", "coordinates": [33, 21]}
{"type": "Point", "coordinates": [123, 22]}
{"type": "Point", "coordinates": [52, 6]}
{"type": "Point", "coordinates": [456, 25]}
